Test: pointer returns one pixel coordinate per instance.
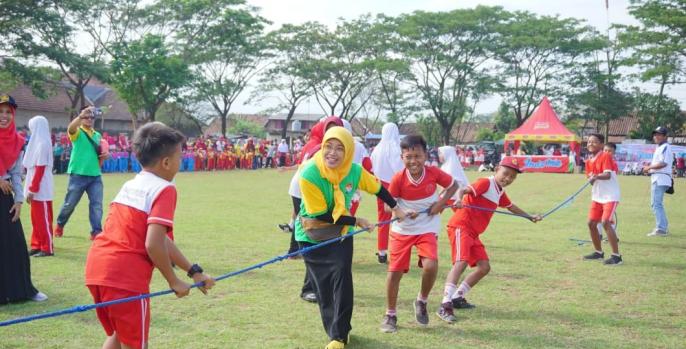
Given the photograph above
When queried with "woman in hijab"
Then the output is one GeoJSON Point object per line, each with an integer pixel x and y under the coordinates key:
{"type": "Point", "coordinates": [451, 165]}
{"type": "Point", "coordinates": [328, 183]}
{"type": "Point", "coordinates": [15, 273]}
{"type": "Point", "coordinates": [38, 188]}
{"type": "Point", "coordinates": [386, 161]}
{"type": "Point", "coordinates": [313, 145]}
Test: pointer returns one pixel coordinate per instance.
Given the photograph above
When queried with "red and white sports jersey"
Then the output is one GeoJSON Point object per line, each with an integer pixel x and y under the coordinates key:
{"type": "Point", "coordinates": [118, 257]}
{"type": "Point", "coordinates": [603, 191]}
{"type": "Point", "coordinates": [485, 193]}
{"type": "Point", "coordinates": [418, 196]}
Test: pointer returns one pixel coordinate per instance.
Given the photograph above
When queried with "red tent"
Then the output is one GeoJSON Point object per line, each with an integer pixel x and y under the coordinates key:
{"type": "Point", "coordinates": [543, 126]}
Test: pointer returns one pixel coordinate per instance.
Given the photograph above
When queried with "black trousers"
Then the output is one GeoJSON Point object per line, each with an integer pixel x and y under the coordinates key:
{"type": "Point", "coordinates": [15, 268]}
{"type": "Point", "coordinates": [308, 285]}
{"type": "Point", "coordinates": [330, 267]}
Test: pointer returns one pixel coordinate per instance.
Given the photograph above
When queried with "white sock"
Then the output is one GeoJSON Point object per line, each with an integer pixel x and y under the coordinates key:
{"type": "Point", "coordinates": [462, 290]}
{"type": "Point", "coordinates": [382, 252]}
{"type": "Point", "coordinates": [448, 292]}
{"type": "Point", "coordinates": [291, 224]}
{"type": "Point", "coordinates": [422, 299]}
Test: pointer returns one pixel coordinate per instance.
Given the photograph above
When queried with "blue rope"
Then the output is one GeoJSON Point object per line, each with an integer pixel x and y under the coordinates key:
{"type": "Point", "coordinates": [567, 200]}
{"type": "Point", "coordinates": [86, 307]}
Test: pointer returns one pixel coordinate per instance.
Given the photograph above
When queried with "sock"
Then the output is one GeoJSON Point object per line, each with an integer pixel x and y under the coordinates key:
{"type": "Point", "coordinates": [448, 292]}
{"type": "Point", "coordinates": [599, 252]}
{"type": "Point", "coordinates": [617, 254]}
{"type": "Point", "coordinates": [462, 290]}
{"type": "Point", "coordinates": [390, 312]}
{"type": "Point", "coordinates": [291, 224]}
{"type": "Point", "coordinates": [382, 252]}
{"type": "Point", "coordinates": [422, 299]}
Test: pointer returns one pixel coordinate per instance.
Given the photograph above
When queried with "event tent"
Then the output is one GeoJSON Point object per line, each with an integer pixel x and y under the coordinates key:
{"type": "Point", "coordinates": [543, 126]}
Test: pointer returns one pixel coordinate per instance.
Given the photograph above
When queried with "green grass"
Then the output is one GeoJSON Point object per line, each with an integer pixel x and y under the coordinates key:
{"type": "Point", "coordinates": [540, 294]}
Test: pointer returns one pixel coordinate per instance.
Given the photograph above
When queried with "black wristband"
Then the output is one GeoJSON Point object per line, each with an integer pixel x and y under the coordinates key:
{"type": "Point", "coordinates": [194, 270]}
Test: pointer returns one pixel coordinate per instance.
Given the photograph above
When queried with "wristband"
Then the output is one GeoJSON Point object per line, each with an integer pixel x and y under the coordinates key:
{"type": "Point", "coordinates": [194, 270]}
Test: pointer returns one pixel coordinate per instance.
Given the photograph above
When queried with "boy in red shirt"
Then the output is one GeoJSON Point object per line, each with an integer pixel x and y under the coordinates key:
{"type": "Point", "coordinates": [464, 229]}
{"type": "Point", "coordinates": [601, 171]}
{"type": "Point", "coordinates": [415, 190]}
{"type": "Point", "coordinates": [138, 238]}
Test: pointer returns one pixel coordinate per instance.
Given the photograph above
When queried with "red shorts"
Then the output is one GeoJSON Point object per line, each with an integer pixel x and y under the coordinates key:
{"type": "Point", "coordinates": [466, 246]}
{"type": "Point", "coordinates": [401, 249]}
{"type": "Point", "coordinates": [130, 320]}
{"type": "Point", "coordinates": [602, 212]}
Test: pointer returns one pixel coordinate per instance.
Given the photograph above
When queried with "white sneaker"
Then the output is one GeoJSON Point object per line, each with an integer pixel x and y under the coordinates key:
{"type": "Point", "coordinates": [658, 232]}
{"type": "Point", "coordinates": [39, 297]}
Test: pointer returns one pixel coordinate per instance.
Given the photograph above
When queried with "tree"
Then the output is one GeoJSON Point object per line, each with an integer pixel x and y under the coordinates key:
{"type": "Point", "coordinates": [505, 120]}
{"type": "Point", "coordinates": [146, 74]}
{"type": "Point", "coordinates": [535, 52]}
{"type": "Point", "coordinates": [448, 52]}
{"type": "Point", "coordinates": [655, 110]}
{"type": "Point", "coordinates": [287, 78]}
{"type": "Point", "coordinates": [243, 127]}
{"type": "Point", "coordinates": [430, 129]}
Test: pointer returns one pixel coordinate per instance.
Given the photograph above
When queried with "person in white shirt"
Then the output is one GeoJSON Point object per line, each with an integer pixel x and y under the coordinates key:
{"type": "Point", "coordinates": [660, 170]}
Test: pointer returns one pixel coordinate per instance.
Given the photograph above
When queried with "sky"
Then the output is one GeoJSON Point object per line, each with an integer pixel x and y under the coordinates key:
{"type": "Point", "coordinates": [328, 12]}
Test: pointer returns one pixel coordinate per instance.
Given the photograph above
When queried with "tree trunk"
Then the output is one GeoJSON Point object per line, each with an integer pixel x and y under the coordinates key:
{"type": "Point", "coordinates": [291, 112]}
{"type": "Point", "coordinates": [223, 118]}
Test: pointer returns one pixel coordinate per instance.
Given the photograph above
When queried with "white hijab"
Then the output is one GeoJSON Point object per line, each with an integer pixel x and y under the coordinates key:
{"type": "Point", "coordinates": [451, 165]}
{"type": "Point", "coordinates": [386, 157]}
{"type": "Point", "coordinates": [39, 150]}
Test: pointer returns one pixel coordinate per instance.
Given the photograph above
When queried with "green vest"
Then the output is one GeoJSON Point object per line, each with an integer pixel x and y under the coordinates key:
{"type": "Point", "coordinates": [348, 186]}
{"type": "Point", "coordinates": [84, 160]}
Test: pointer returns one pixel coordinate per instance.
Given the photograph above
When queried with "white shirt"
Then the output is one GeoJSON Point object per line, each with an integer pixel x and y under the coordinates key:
{"type": "Point", "coordinates": [663, 154]}
{"type": "Point", "coordinates": [605, 191]}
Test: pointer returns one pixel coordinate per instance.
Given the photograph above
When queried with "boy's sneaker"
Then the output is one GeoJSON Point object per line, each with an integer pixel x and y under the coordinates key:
{"type": "Point", "coordinates": [445, 312]}
{"type": "Point", "coordinates": [594, 256]}
{"type": "Point", "coordinates": [389, 324]}
{"type": "Point", "coordinates": [383, 258]}
{"type": "Point", "coordinates": [32, 252]}
{"type": "Point", "coordinates": [658, 232]}
{"type": "Point", "coordinates": [42, 254]}
{"type": "Point", "coordinates": [59, 231]}
{"type": "Point", "coordinates": [613, 260]}
{"type": "Point", "coordinates": [420, 313]}
{"type": "Point", "coordinates": [286, 228]}
{"type": "Point", "coordinates": [461, 303]}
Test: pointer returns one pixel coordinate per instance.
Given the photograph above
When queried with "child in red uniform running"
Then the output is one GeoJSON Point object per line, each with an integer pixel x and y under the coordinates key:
{"type": "Point", "coordinates": [601, 171]}
{"type": "Point", "coordinates": [136, 239]}
{"type": "Point", "coordinates": [464, 229]}
{"type": "Point", "coordinates": [415, 190]}
{"type": "Point", "coordinates": [38, 187]}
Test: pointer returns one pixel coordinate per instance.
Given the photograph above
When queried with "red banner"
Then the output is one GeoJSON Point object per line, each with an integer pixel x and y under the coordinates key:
{"type": "Point", "coordinates": [543, 163]}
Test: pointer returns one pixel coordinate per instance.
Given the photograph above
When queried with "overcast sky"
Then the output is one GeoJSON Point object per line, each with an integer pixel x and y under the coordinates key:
{"type": "Point", "coordinates": [329, 11]}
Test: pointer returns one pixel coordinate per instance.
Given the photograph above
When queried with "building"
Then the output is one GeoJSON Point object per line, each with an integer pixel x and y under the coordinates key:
{"type": "Point", "coordinates": [56, 108]}
{"type": "Point", "coordinates": [297, 126]}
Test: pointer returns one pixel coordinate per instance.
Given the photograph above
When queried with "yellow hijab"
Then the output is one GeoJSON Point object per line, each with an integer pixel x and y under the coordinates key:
{"type": "Point", "coordinates": [336, 175]}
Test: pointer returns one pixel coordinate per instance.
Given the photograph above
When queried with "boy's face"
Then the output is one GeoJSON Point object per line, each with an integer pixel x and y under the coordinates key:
{"type": "Point", "coordinates": [504, 176]}
{"type": "Point", "coordinates": [169, 165]}
{"type": "Point", "coordinates": [5, 115]}
{"type": "Point", "coordinates": [609, 150]}
{"type": "Point", "coordinates": [593, 145]}
{"type": "Point", "coordinates": [414, 159]}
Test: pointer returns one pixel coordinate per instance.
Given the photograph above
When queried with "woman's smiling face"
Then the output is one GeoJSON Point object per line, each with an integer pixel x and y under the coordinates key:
{"type": "Point", "coordinates": [5, 115]}
{"type": "Point", "coordinates": [334, 153]}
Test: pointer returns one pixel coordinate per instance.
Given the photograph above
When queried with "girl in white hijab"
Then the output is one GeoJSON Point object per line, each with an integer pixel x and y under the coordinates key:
{"type": "Point", "coordinates": [386, 161]}
{"type": "Point", "coordinates": [451, 165]}
{"type": "Point", "coordinates": [38, 187]}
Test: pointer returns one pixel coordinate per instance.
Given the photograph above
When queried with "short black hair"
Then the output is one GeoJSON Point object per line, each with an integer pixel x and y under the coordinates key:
{"type": "Point", "coordinates": [412, 141]}
{"type": "Point", "coordinates": [154, 141]}
{"type": "Point", "coordinates": [611, 145]}
{"type": "Point", "coordinates": [600, 137]}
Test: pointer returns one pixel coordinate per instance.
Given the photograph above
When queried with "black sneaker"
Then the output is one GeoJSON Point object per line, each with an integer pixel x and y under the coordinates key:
{"type": "Point", "coordinates": [32, 252]}
{"type": "Point", "coordinates": [613, 260]}
{"type": "Point", "coordinates": [594, 256]}
{"type": "Point", "coordinates": [383, 258]}
{"type": "Point", "coordinates": [461, 303]}
{"type": "Point", "coordinates": [309, 297]}
{"type": "Point", "coordinates": [445, 312]}
{"type": "Point", "coordinates": [389, 324]}
{"type": "Point", "coordinates": [420, 313]}
{"type": "Point", "coordinates": [286, 228]}
{"type": "Point", "coordinates": [42, 254]}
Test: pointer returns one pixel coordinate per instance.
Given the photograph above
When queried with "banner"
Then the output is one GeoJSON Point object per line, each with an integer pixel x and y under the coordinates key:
{"type": "Point", "coordinates": [635, 156]}
{"type": "Point", "coordinates": [544, 163]}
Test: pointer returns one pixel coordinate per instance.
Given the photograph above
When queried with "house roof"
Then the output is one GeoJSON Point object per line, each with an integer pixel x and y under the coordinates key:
{"type": "Point", "coordinates": [297, 116]}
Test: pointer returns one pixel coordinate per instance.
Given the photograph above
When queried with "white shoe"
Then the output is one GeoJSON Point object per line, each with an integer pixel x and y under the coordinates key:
{"type": "Point", "coordinates": [658, 232]}
{"type": "Point", "coordinates": [39, 297]}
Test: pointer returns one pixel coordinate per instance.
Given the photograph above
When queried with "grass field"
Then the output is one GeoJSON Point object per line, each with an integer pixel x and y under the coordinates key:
{"type": "Point", "coordinates": [540, 294]}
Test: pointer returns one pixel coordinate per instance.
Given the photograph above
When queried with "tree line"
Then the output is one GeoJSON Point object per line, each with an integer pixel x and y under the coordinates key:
{"type": "Point", "coordinates": [430, 67]}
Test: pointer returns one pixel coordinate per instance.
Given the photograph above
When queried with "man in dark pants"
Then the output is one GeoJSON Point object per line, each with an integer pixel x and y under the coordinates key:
{"type": "Point", "coordinates": [84, 172]}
